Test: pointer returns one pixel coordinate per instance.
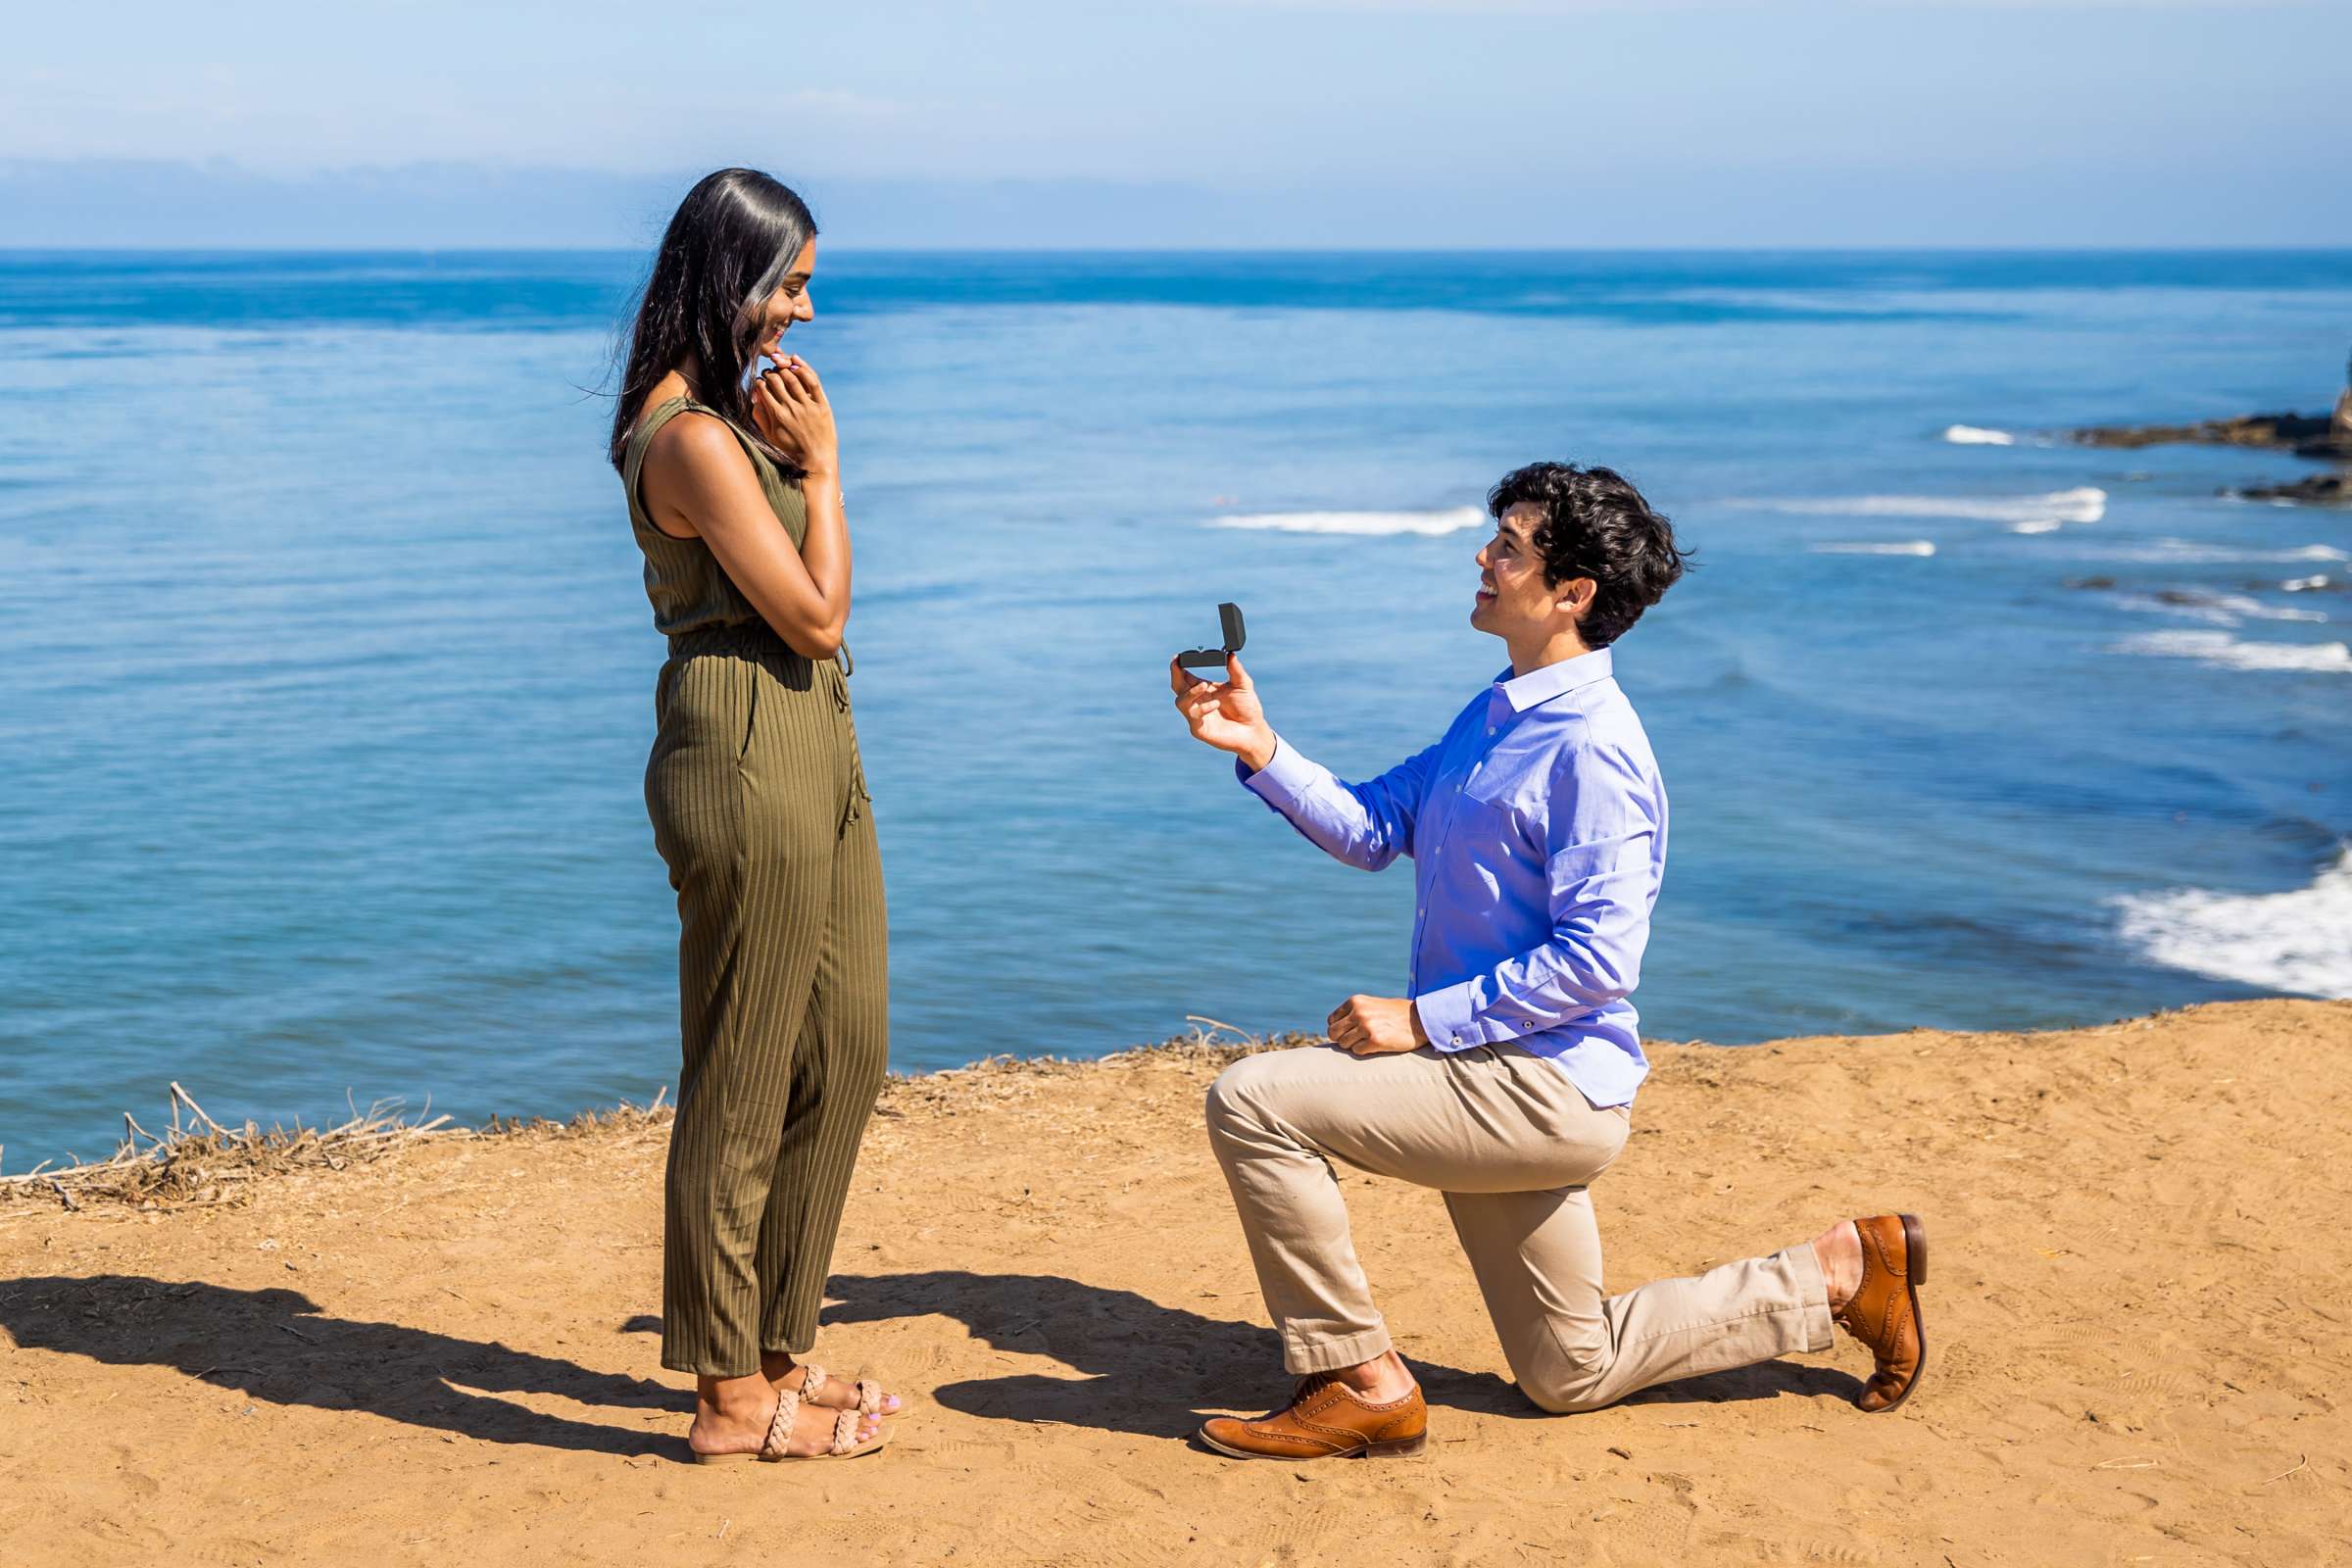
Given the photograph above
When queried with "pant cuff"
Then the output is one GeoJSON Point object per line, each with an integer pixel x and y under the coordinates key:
{"type": "Point", "coordinates": [706, 1367]}
{"type": "Point", "coordinates": [1303, 1354]}
{"type": "Point", "coordinates": [1813, 1295]}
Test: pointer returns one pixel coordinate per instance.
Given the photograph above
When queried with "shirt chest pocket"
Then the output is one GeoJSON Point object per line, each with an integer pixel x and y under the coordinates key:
{"type": "Point", "coordinates": [1491, 822]}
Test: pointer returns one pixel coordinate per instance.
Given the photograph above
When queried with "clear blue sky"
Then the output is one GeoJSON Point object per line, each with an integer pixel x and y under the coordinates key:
{"type": "Point", "coordinates": [1439, 122]}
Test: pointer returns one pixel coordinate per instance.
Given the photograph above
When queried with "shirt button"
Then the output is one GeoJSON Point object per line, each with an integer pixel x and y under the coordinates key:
{"type": "Point", "coordinates": [1489, 729]}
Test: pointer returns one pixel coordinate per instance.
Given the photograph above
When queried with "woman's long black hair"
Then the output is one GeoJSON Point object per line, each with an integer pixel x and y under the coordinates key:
{"type": "Point", "coordinates": [728, 247]}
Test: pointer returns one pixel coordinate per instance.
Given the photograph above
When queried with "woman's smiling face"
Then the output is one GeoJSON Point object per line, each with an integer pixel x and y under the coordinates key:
{"type": "Point", "coordinates": [788, 304]}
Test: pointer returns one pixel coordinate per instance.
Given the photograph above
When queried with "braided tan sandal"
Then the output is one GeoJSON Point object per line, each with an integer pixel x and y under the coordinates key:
{"type": "Point", "coordinates": [869, 1392]}
{"type": "Point", "coordinates": [777, 1444]}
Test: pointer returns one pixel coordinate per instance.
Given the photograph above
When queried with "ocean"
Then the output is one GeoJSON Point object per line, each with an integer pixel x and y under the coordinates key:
{"type": "Point", "coordinates": [326, 674]}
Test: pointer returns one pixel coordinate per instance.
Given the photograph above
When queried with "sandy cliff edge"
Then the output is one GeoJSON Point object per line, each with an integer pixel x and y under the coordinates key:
{"type": "Point", "coordinates": [2138, 1339]}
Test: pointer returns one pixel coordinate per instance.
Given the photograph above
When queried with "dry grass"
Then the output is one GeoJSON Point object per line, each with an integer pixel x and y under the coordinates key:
{"type": "Point", "coordinates": [199, 1161]}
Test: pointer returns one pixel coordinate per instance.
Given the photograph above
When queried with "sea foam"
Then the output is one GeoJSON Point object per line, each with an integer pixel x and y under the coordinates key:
{"type": "Point", "coordinates": [1453, 519]}
{"type": "Point", "coordinates": [2087, 504]}
{"type": "Point", "coordinates": [2191, 553]}
{"type": "Point", "coordinates": [2214, 610]}
{"type": "Point", "coordinates": [1900, 547]}
{"type": "Point", "coordinates": [2223, 651]}
{"type": "Point", "coordinates": [2256, 610]}
{"type": "Point", "coordinates": [2298, 942]}
{"type": "Point", "coordinates": [1969, 435]}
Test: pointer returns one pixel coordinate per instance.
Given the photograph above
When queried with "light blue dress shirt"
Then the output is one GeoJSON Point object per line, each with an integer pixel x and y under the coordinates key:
{"type": "Point", "coordinates": [1538, 833]}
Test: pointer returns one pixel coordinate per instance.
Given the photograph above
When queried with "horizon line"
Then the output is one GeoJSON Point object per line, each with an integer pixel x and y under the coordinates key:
{"type": "Point", "coordinates": [1891, 248]}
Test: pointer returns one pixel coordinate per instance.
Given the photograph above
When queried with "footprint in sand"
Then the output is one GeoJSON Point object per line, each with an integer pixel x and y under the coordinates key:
{"type": "Point", "coordinates": [136, 1480]}
{"type": "Point", "coordinates": [2159, 1382]}
{"type": "Point", "coordinates": [1301, 1535]}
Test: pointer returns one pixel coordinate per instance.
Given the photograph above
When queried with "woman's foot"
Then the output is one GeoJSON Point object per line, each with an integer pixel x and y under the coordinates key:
{"type": "Point", "coordinates": [732, 1415]}
{"type": "Point", "coordinates": [831, 1394]}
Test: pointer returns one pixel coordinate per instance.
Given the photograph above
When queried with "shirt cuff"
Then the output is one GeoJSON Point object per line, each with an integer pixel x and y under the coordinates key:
{"type": "Point", "coordinates": [1445, 1016]}
{"type": "Point", "coordinates": [1284, 780]}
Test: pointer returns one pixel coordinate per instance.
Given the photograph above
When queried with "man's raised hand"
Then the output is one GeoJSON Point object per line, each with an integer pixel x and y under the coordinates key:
{"type": "Point", "coordinates": [1224, 714]}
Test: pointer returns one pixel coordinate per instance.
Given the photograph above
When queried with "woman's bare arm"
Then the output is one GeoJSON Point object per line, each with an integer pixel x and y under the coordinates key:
{"type": "Point", "coordinates": [699, 482]}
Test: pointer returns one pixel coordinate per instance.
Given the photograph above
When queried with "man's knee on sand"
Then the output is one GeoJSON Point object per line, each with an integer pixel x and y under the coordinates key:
{"type": "Point", "coordinates": [1227, 1105]}
{"type": "Point", "coordinates": [1247, 1094]}
{"type": "Point", "coordinates": [1564, 1379]}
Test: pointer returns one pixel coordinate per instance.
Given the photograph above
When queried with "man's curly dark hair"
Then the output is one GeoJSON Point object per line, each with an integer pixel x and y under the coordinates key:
{"type": "Point", "coordinates": [1595, 524]}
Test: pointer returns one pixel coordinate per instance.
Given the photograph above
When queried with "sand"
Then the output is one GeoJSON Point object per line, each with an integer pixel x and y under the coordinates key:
{"type": "Point", "coordinates": [2139, 1337]}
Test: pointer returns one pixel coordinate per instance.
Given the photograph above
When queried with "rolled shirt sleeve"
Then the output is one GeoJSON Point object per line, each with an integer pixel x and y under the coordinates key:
{"type": "Point", "coordinates": [1602, 868]}
{"type": "Point", "coordinates": [1366, 825]}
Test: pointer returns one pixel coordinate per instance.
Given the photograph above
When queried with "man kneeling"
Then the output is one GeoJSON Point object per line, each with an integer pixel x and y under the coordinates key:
{"type": "Point", "coordinates": [1537, 827]}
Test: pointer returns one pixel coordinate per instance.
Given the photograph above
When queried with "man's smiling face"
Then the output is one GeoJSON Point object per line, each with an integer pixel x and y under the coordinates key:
{"type": "Point", "coordinates": [1514, 602]}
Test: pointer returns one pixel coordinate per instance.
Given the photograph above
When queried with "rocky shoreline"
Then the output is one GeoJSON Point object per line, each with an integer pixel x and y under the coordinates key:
{"type": "Point", "coordinates": [2320, 438]}
{"type": "Point", "coordinates": [2306, 435]}
{"type": "Point", "coordinates": [2317, 490]}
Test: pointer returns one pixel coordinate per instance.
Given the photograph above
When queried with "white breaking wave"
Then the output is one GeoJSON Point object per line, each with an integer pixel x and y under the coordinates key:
{"type": "Point", "coordinates": [1969, 435]}
{"type": "Point", "coordinates": [2188, 553]}
{"type": "Point", "coordinates": [2223, 651]}
{"type": "Point", "coordinates": [2214, 610]}
{"type": "Point", "coordinates": [1452, 519]}
{"type": "Point", "coordinates": [2086, 504]}
{"type": "Point", "coordinates": [1903, 547]}
{"type": "Point", "coordinates": [2035, 525]}
{"type": "Point", "coordinates": [2304, 585]}
{"type": "Point", "coordinates": [2256, 610]}
{"type": "Point", "coordinates": [2298, 942]}
{"type": "Point", "coordinates": [2210, 614]}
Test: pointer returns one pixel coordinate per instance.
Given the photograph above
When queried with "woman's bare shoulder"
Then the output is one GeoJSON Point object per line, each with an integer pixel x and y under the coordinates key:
{"type": "Point", "coordinates": [695, 438]}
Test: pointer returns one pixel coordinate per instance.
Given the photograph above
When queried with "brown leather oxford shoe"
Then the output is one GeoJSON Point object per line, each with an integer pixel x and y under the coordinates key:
{"type": "Point", "coordinates": [1884, 1312]}
{"type": "Point", "coordinates": [1324, 1420]}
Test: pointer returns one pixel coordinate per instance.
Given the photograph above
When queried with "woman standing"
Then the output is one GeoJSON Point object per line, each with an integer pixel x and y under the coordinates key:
{"type": "Point", "coordinates": [759, 808]}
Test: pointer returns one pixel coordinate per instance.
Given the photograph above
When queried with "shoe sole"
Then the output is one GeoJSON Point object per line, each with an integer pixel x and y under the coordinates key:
{"type": "Point", "coordinates": [858, 1453]}
{"type": "Point", "coordinates": [1915, 1274]}
{"type": "Point", "coordinates": [1371, 1450]}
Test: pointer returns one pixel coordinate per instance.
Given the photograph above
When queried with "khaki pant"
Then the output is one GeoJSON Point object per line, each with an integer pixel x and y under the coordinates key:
{"type": "Point", "coordinates": [1513, 1146]}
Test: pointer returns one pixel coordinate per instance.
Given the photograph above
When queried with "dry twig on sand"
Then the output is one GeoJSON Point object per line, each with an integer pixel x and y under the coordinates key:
{"type": "Point", "coordinates": [197, 1161]}
{"type": "Point", "coordinates": [200, 1162]}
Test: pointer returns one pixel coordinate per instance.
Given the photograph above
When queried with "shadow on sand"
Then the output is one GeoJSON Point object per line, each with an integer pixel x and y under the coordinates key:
{"type": "Point", "coordinates": [1147, 1369]}
{"type": "Point", "coordinates": [1157, 1371]}
{"type": "Point", "coordinates": [276, 1347]}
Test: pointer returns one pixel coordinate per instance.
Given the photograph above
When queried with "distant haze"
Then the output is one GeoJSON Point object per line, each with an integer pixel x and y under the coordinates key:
{"type": "Point", "coordinates": [1209, 124]}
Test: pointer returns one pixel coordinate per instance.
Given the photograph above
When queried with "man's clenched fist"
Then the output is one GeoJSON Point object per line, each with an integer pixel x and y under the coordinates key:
{"type": "Point", "coordinates": [1369, 1026]}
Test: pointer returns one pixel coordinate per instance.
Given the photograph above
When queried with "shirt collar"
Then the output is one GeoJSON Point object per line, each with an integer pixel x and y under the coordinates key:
{"type": "Point", "coordinates": [1524, 692]}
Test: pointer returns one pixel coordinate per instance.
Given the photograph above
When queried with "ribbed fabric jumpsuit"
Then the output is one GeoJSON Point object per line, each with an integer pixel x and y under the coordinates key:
{"type": "Point", "coordinates": [760, 809]}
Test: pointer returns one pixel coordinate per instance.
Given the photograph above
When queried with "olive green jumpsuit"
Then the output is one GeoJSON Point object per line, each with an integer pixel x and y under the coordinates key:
{"type": "Point", "coordinates": [759, 808]}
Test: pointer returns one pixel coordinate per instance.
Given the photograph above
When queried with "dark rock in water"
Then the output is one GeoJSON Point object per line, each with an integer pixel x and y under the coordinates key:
{"type": "Point", "coordinates": [2319, 490]}
{"type": "Point", "coordinates": [2325, 437]}
{"type": "Point", "coordinates": [2091, 583]}
{"type": "Point", "coordinates": [2299, 433]}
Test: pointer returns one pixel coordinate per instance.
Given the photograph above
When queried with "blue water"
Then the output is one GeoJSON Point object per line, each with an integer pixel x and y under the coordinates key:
{"type": "Point", "coordinates": [326, 674]}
